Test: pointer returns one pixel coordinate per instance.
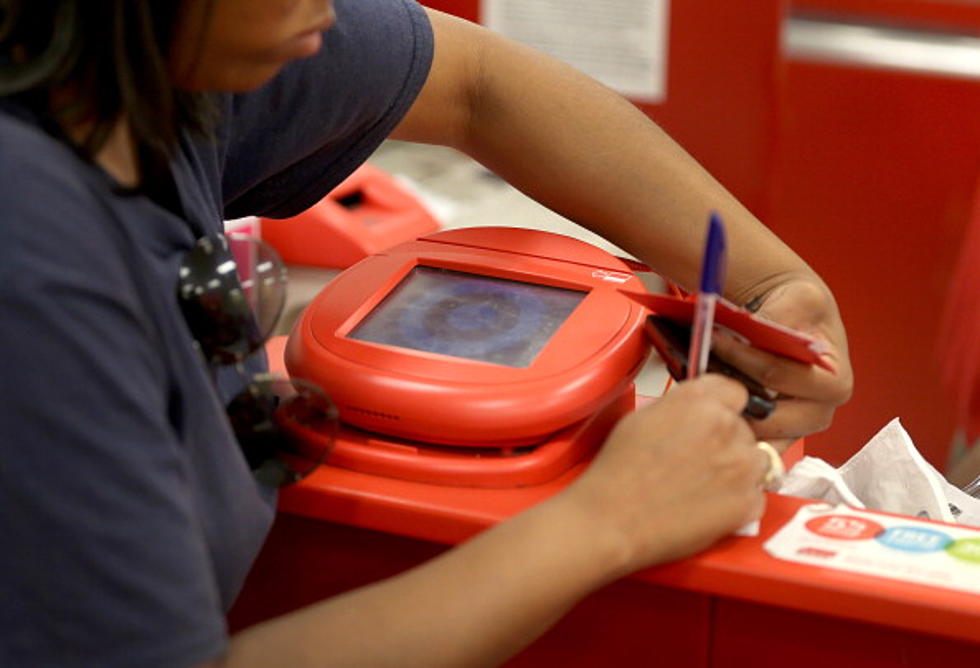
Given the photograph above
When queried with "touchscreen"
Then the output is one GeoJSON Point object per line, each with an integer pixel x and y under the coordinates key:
{"type": "Point", "coordinates": [468, 315]}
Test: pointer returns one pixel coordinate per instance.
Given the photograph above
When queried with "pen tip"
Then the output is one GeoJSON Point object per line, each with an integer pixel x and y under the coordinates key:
{"type": "Point", "coordinates": [716, 232]}
{"type": "Point", "coordinates": [714, 222]}
{"type": "Point", "coordinates": [713, 267]}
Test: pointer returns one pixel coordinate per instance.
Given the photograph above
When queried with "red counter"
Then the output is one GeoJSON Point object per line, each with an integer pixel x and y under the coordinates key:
{"type": "Point", "coordinates": [733, 605]}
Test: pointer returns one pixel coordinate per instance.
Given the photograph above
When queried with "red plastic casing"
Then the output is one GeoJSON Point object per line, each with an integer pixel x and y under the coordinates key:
{"type": "Point", "coordinates": [590, 360]}
{"type": "Point", "coordinates": [367, 213]}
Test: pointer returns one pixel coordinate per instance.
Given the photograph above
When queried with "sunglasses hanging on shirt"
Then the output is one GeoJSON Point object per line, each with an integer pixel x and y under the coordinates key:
{"type": "Point", "coordinates": [232, 290]}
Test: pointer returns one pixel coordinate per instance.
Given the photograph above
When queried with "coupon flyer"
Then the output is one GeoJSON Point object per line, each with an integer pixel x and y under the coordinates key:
{"type": "Point", "coordinates": [901, 548]}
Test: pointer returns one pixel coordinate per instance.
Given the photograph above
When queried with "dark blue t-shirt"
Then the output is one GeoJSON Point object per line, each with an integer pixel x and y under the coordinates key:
{"type": "Point", "coordinates": [129, 516]}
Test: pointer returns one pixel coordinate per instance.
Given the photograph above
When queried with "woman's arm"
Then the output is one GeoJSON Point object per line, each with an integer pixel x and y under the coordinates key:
{"type": "Point", "coordinates": [587, 153]}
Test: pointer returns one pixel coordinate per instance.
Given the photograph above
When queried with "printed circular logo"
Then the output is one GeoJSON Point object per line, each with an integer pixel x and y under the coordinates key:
{"type": "Point", "coordinates": [967, 549]}
{"type": "Point", "coordinates": [844, 527]}
{"type": "Point", "coordinates": [914, 539]}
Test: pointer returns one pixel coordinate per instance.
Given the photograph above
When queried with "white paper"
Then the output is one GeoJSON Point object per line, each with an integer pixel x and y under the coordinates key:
{"type": "Point", "coordinates": [813, 478]}
{"type": "Point", "coordinates": [887, 474]}
{"type": "Point", "coordinates": [622, 43]}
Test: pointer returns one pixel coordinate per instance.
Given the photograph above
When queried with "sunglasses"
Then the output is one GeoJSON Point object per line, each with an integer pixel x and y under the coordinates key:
{"type": "Point", "coordinates": [232, 289]}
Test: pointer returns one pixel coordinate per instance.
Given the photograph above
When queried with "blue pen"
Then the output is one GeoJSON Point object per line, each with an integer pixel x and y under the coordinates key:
{"type": "Point", "coordinates": [712, 269]}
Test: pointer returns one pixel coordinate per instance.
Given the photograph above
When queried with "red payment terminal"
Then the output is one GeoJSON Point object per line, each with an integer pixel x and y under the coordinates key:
{"type": "Point", "coordinates": [476, 357]}
{"type": "Point", "coordinates": [474, 337]}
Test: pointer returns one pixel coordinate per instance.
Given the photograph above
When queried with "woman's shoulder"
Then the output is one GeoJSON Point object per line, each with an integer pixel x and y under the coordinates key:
{"type": "Point", "coordinates": [55, 236]}
{"type": "Point", "coordinates": [44, 193]}
{"type": "Point", "coordinates": [34, 161]}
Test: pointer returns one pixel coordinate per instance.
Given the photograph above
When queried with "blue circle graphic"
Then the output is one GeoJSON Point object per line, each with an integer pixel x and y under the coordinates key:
{"type": "Point", "coordinates": [914, 539]}
{"type": "Point", "coordinates": [472, 318]}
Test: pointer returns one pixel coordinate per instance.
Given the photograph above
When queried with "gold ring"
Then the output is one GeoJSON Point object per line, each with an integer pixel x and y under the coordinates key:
{"type": "Point", "coordinates": [776, 470]}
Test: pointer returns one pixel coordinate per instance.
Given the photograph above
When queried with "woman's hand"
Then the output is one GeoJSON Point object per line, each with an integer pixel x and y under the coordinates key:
{"type": "Point", "coordinates": [675, 476]}
{"type": "Point", "coordinates": [807, 396]}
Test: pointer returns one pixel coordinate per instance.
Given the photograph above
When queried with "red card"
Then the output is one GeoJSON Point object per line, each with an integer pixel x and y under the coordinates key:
{"type": "Point", "coordinates": [758, 332]}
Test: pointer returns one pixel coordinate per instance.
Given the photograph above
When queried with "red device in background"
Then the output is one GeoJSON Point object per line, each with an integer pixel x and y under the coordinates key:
{"type": "Point", "coordinates": [366, 214]}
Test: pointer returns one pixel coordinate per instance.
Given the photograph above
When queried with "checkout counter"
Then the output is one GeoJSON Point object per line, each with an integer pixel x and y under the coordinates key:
{"type": "Point", "coordinates": [733, 605]}
{"type": "Point", "coordinates": [371, 511]}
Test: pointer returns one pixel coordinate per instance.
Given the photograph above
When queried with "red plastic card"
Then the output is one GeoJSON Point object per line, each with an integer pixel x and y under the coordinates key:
{"type": "Point", "coordinates": [758, 332]}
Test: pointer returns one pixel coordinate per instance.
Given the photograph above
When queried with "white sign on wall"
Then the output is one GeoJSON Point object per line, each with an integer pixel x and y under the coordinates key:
{"type": "Point", "coordinates": [622, 43]}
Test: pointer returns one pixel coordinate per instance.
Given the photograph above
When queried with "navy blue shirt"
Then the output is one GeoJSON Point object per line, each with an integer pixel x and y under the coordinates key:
{"type": "Point", "coordinates": [129, 516]}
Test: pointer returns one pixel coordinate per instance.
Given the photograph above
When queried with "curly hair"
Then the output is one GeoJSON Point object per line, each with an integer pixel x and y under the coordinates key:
{"type": "Point", "coordinates": [112, 56]}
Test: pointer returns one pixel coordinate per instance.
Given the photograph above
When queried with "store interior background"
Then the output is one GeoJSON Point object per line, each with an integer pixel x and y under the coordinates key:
{"type": "Point", "coordinates": [868, 169]}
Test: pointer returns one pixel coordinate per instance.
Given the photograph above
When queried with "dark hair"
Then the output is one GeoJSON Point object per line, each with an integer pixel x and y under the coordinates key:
{"type": "Point", "coordinates": [114, 56]}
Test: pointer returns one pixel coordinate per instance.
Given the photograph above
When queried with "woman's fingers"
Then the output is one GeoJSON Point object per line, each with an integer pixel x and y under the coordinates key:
{"type": "Point", "coordinates": [780, 374]}
{"type": "Point", "coordinates": [806, 395]}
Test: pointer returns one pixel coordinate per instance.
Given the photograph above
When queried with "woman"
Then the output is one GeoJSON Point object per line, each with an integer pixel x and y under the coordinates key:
{"type": "Point", "coordinates": [131, 128]}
